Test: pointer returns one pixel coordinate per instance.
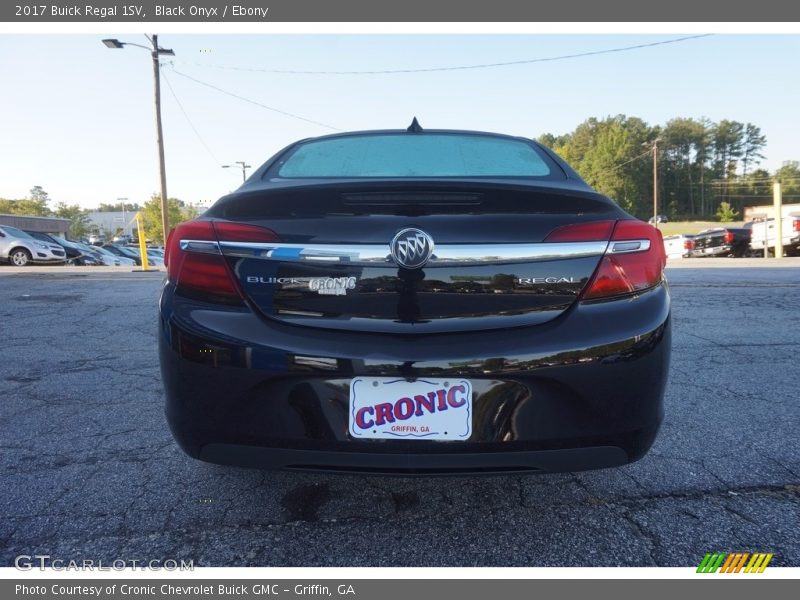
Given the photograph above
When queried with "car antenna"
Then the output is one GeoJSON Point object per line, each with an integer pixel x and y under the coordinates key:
{"type": "Point", "coordinates": [415, 127]}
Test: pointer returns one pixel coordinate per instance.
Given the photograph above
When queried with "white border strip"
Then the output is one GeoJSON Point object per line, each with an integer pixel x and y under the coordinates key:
{"type": "Point", "coordinates": [274, 27]}
{"type": "Point", "coordinates": [345, 573]}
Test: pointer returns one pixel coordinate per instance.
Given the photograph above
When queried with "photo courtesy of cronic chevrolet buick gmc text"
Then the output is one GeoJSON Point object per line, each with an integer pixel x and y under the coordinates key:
{"type": "Point", "coordinates": [415, 302]}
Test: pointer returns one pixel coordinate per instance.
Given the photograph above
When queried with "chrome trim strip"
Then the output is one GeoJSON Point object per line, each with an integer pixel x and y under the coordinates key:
{"type": "Point", "coordinates": [203, 246]}
{"type": "Point", "coordinates": [375, 254]}
{"type": "Point", "coordinates": [626, 246]}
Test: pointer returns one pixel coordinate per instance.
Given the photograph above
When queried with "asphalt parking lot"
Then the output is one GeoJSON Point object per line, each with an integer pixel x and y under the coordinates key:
{"type": "Point", "coordinates": [88, 469]}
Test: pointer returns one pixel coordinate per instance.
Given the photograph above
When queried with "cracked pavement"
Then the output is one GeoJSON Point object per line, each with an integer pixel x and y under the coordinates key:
{"type": "Point", "coordinates": [88, 469]}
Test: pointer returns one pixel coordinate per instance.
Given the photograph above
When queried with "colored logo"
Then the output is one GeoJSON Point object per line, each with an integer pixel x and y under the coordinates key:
{"type": "Point", "coordinates": [391, 408]}
{"type": "Point", "coordinates": [734, 562]}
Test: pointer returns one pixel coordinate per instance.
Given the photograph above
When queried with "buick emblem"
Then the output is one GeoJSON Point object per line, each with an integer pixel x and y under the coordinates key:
{"type": "Point", "coordinates": [411, 248]}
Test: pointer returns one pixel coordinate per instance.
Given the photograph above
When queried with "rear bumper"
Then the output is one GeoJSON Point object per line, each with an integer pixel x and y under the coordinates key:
{"type": "Point", "coordinates": [584, 391]}
{"type": "Point", "coordinates": [567, 459]}
{"type": "Point", "coordinates": [714, 251]}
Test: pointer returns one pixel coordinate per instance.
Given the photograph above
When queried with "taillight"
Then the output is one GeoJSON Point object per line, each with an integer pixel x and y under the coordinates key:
{"type": "Point", "coordinates": [629, 265]}
{"type": "Point", "coordinates": [728, 237]}
{"type": "Point", "coordinates": [688, 244]}
{"type": "Point", "coordinates": [582, 232]}
{"type": "Point", "coordinates": [634, 260]}
{"type": "Point", "coordinates": [797, 224]}
{"type": "Point", "coordinates": [203, 269]}
{"type": "Point", "coordinates": [241, 232]}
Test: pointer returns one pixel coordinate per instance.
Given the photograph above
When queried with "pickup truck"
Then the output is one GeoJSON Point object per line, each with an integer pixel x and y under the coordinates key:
{"type": "Point", "coordinates": [722, 241]}
{"type": "Point", "coordinates": [790, 233]}
{"type": "Point", "coordinates": [678, 246]}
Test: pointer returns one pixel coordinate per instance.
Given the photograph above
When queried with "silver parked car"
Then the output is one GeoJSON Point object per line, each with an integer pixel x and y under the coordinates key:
{"type": "Point", "coordinates": [111, 260]}
{"type": "Point", "coordinates": [19, 249]}
{"type": "Point", "coordinates": [153, 258]}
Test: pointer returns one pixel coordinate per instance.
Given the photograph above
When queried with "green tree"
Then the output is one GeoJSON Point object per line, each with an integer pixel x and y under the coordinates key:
{"type": "Point", "coordinates": [726, 213]}
{"type": "Point", "coordinates": [684, 146]}
{"type": "Point", "coordinates": [753, 142]}
{"type": "Point", "coordinates": [177, 211]}
{"type": "Point", "coordinates": [701, 163]}
{"type": "Point", "coordinates": [547, 139]}
{"type": "Point", "coordinates": [758, 186]}
{"type": "Point", "coordinates": [34, 205]}
{"type": "Point", "coordinates": [552, 141]}
{"type": "Point", "coordinates": [727, 141]}
{"type": "Point", "coordinates": [25, 206]}
{"type": "Point", "coordinates": [702, 154]}
{"type": "Point", "coordinates": [789, 177]}
{"type": "Point", "coordinates": [79, 225]}
{"type": "Point", "coordinates": [610, 154]}
{"type": "Point", "coordinates": [37, 194]}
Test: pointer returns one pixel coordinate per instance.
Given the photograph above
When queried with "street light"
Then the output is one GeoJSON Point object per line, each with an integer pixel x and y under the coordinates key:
{"type": "Point", "coordinates": [242, 166]}
{"type": "Point", "coordinates": [124, 216]}
{"type": "Point", "coordinates": [155, 52]}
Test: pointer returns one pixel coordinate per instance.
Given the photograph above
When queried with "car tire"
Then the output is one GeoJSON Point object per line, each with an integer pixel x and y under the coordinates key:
{"type": "Point", "coordinates": [19, 257]}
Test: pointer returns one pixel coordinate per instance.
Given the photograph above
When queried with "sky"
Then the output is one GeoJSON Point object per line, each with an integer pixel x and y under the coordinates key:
{"type": "Point", "coordinates": [77, 118]}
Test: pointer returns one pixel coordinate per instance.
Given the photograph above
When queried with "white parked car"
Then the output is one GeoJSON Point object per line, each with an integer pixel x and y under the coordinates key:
{"type": "Point", "coordinates": [678, 246]}
{"type": "Point", "coordinates": [790, 234]}
{"type": "Point", "coordinates": [19, 249]}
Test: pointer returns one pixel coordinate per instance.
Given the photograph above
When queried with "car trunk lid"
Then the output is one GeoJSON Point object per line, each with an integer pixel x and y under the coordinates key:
{"type": "Point", "coordinates": [495, 261]}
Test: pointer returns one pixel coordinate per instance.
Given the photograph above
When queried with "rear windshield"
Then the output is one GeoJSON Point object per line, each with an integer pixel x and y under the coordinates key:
{"type": "Point", "coordinates": [415, 155]}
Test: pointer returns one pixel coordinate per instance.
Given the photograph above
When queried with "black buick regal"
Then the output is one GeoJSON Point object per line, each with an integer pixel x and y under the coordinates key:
{"type": "Point", "coordinates": [415, 301]}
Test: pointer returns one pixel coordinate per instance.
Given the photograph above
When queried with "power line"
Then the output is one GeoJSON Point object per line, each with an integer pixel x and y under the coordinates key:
{"type": "Point", "coordinates": [754, 182]}
{"type": "Point", "coordinates": [188, 120]}
{"type": "Point", "coordinates": [462, 67]}
{"type": "Point", "coordinates": [728, 181]}
{"type": "Point", "coordinates": [764, 177]}
{"type": "Point", "coordinates": [760, 196]}
{"type": "Point", "coordinates": [259, 104]}
{"type": "Point", "coordinates": [627, 162]}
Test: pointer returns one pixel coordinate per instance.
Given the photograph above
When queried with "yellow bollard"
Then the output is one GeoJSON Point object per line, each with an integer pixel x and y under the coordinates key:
{"type": "Point", "coordinates": [142, 246]}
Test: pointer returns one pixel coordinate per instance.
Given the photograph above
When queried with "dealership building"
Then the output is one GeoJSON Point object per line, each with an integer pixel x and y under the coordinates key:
{"type": "Point", "coordinates": [110, 222]}
{"type": "Point", "coordinates": [39, 224]}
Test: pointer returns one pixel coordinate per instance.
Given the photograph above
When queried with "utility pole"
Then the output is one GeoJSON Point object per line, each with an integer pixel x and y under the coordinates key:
{"type": "Point", "coordinates": [242, 165]}
{"type": "Point", "coordinates": [160, 139]}
{"type": "Point", "coordinates": [777, 199]}
{"type": "Point", "coordinates": [655, 181]}
{"type": "Point", "coordinates": [703, 187]}
{"type": "Point", "coordinates": [155, 52]}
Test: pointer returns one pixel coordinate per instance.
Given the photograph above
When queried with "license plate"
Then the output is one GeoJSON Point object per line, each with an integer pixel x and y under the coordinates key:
{"type": "Point", "coordinates": [386, 408]}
